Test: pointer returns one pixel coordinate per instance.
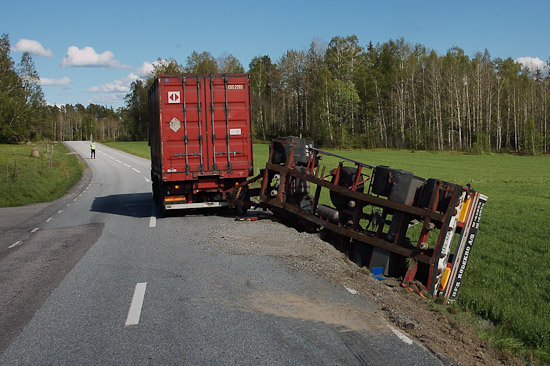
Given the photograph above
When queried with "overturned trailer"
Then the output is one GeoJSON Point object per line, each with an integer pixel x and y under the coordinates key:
{"type": "Point", "coordinates": [373, 214]}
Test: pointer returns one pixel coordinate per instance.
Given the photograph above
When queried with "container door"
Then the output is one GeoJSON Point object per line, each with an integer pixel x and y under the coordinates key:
{"type": "Point", "coordinates": [206, 126]}
{"type": "Point", "coordinates": [193, 104]}
{"type": "Point", "coordinates": [230, 122]}
{"type": "Point", "coordinates": [182, 121]}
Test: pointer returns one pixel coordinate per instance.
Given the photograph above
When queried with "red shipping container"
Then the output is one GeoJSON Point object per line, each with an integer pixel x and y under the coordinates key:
{"type": "Point", "coordinates": [201, 138]}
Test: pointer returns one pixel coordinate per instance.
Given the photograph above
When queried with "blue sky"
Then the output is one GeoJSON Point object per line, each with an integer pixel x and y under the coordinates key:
{"type": "Point", "coordinates": [90, 52]}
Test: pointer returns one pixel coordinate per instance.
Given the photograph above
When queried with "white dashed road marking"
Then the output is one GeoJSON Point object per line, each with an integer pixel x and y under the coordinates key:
{"type": "Point", "coordinates": [153, 221]}
{"type": "Point", "coordinates": [137, 302]}
{"type": "Point", "coordinates": [135, 170]}
{"type": "Point", "coordinates": [15, 244]}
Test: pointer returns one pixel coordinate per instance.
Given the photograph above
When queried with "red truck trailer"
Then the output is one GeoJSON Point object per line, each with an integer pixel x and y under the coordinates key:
{"type": "Point", "coordinates": [200, 137]}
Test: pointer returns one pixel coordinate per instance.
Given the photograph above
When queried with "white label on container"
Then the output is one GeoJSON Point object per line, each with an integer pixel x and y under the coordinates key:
{"type": "Point", "coordinates": [235, 132]}
{"type": "Point", "coordinates": [235, 87]}
{"type": "Point", "coordinates": [175, 124]}
{"type": "Point", "coordinates": [173, 97]}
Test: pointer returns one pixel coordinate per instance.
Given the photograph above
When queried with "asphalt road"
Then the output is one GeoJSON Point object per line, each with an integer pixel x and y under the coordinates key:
{"type": "Point", "coordinates": [96, 278]}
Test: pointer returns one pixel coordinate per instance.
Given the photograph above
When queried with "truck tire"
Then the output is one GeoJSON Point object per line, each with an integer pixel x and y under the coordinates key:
{"type": "Point", "coordinates": [155, 192]}
{"type": "Point", "coordinates": [347, 175]}
{"type": "Point", "coordinates": [160, 199]}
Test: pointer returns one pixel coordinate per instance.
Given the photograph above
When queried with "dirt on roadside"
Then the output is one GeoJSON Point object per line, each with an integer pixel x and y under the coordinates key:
{"type": "Point", "coordinates": [434, 326]}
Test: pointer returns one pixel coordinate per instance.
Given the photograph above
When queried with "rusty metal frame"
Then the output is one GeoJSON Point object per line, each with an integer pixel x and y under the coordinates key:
{"type": "Point", "coordinates": [437, 258]}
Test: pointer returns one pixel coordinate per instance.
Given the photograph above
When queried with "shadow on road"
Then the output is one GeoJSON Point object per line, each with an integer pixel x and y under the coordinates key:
{"type": "Point", "coordinates": [131, 204]}
{"type": "Point", "coordinates": [142, 205]}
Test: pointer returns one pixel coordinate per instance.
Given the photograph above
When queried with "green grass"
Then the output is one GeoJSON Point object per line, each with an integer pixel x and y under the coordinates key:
{"type": "Point", "coordinates": [138, 148]}
{"type": "Point", "coordinates": [25, 180]}
{"type": "Point", "coordinates": [508, 276]}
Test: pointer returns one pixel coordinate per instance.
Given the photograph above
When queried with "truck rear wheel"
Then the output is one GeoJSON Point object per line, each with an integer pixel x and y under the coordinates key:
{"type": "Point", "coordinates": [155, 193]}
{"type": "Point", "coordinates": [158, 193]}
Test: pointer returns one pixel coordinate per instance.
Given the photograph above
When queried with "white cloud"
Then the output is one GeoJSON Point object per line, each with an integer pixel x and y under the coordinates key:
{"type": "Point", "coordinates": [107, 99]}
{"type": "Point", "coordinates": [532, 63]}
{"type": "Point", "coordinates": [58, 105]}
{"type": "Point", "coordinates": [32, 47]}
{"type": "Point", "coordinates": [64, 81]}
{"type": "Point", "coordinates": [117, 86]}
{"type": "Point", "coordinates": [146, 69]}
{"type": "Point", "coordinates": [88, 57]}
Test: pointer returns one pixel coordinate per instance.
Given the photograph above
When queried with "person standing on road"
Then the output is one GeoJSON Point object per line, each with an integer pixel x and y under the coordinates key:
{"type": "Point", "coordinates": [92, 147]}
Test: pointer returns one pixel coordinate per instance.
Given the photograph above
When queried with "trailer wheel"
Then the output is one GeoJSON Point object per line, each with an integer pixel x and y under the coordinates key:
{"type": "Point", "coordinates": [162, 209]}
{"type": "Point", "coordinates": [155, 193]}
{"type": "Point", "coordinates": [160, 200]}
{"type": "Point", "coordinates": [347, 176]}
{"type": "Point", "coordinates": [240, 209]}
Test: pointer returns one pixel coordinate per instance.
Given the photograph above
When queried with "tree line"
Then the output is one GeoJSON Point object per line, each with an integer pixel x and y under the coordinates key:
{"type": "Point", "coordinates": [339, 94]}
{"type": "Point", "coordinates": [25, 116]}
{"type": "Point", "coordinates": [389, 95]}
{"type": "Point", "coordinates": [399, 95]}
{"type": "Point", "coordinates": [21, 98]}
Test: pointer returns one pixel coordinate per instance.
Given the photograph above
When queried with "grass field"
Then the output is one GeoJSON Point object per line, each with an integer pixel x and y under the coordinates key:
{"type": "Point", "coordinates": [25, 179]}
{"type": "Point", "coordinates": [138, 148]}
{"type": "Point", "coordinates": [508, 276]}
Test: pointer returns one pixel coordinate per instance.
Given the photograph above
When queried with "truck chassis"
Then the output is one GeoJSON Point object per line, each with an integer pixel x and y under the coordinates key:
{"type": "Point", "coordinates": [375, 210]}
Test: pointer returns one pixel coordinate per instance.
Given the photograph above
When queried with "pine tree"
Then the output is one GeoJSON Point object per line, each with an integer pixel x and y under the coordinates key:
{"type": "Point", "coordinates": [12, 97]}
{"type": "Point", "coordinates": [35, 110]}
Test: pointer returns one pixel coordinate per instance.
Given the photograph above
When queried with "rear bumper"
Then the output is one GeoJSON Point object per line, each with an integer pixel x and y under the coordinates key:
{"type": "Point", "coordinates": [183, 206]}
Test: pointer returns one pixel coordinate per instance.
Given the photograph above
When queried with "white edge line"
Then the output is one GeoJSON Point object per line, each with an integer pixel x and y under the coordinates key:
{"type": "Point", "coordinates": [401, 336]}
{"type": "Point", "coordinates": [153, 221]}
{"type": "Point", "coordinates": [15, 244]}
{"type": "Point", "coordinates": [134, 312]}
